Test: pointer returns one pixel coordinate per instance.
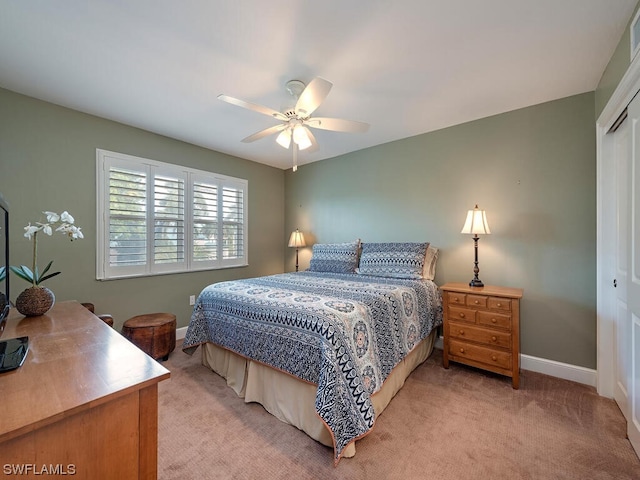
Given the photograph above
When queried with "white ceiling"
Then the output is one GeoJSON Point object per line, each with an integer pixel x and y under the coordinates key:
{"type": "Point", "coordinates": [405, 67]}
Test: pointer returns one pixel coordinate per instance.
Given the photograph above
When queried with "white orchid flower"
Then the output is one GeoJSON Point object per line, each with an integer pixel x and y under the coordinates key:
{"type": "Point", "coordinates": [65, 225]}
{"type": "Point", "coordinates": [71, 230]}
{"type": "Point", "coordinates": [52, 217]}
{"type": "Point", "coordinates": [30, 230]}
{"type": "Point", "coordinates": [75, 232]}
{"type": "Point", "coordinates": [79, 234]}
{"type": "Point", "coordinates": [66, 217]}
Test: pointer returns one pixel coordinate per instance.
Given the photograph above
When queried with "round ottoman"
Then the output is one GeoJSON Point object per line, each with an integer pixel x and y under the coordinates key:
{"type": "Point", "coordinates": [153, 333]}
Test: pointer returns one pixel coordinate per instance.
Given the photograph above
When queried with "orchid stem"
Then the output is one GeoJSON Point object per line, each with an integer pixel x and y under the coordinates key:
{"type": "Point", "coordinates": [35, 256]}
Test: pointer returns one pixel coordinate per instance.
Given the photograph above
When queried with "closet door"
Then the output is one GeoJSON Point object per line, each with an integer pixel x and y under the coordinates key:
{"type": "Point", "coordinates": [633, 279]}
{"type": "Point", "coordinates": [622, 324]}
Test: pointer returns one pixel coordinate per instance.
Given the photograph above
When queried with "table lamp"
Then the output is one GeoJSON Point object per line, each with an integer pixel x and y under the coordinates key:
{"type": "Point", "coordinates": [476, 223]}
{"type": "Point", "coordinates": [296, 240]}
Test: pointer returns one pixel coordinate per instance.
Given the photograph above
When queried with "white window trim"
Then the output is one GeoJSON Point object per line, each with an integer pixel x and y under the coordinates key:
{"type": "Point", "coordinates": [105, 159]}
{"type": "Point", "coordinates": [635, 42]}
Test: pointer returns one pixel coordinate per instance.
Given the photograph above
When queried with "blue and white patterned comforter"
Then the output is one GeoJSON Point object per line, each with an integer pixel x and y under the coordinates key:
{"type": "Point", "coordinates": [343, 332]}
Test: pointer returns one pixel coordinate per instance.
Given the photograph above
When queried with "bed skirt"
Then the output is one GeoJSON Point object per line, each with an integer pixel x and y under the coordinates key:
{"type": "Point", "coordinates": [292, 400]}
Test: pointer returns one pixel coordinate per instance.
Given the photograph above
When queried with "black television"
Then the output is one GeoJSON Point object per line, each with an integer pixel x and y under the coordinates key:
{"type": "Point", "coordinates": [12, 350]}
{"type": "Point", "coordinates": [4, 261]}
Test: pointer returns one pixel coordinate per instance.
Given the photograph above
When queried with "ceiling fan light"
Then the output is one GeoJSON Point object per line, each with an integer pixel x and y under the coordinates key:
{"type": "Point", "coordinates": [304, 144]}
{"type": "Point", "coordinates": [284, 139]}
{"type": "Point", "coordinates": [301, 137]}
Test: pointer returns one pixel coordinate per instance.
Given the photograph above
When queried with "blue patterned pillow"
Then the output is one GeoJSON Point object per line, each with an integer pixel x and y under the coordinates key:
{"type": "Point", "coordinates": [335, 257]}
{"type": "Point", "coordinates": [394, 260]}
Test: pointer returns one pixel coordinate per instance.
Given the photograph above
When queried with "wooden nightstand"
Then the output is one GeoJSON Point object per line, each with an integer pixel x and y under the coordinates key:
{"type": "Point", "coordinates": [482, 328]}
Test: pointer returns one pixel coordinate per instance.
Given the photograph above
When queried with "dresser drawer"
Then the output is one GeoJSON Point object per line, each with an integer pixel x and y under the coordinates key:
{"type": "Point", "coordinates": [462, 314]}
{"type": "Point", "coordinates": [480, 354]}
{"type": "Point", "coordinates": [492, 319]}
{"type": "Point", "coordinates": [499, 303]}
{"type": "Point", "coordinates": [489, 337]}
{"type": "Point", "coordinates": [477, 301]}
{"type": "Point", "coordinates": [456, 298]}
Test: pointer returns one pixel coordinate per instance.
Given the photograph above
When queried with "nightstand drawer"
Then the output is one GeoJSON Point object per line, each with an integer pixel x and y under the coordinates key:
{"type": "Point", "coordinates": [492, 319]}
{"type": "Point", "coordinates": [499, 303]}
{"type": "Point", "coordinates": [477, 301]}
{"type": "Point", "coordinates": [456, 298]}
{"type": "Point", "coordinates": [462, 314]}
{"type": "Point", "coordinates": [481, 335]}
{"type": "Point", "coordinates": [480, 354]}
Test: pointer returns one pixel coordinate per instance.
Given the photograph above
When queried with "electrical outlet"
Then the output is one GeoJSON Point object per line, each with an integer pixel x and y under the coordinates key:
{"type": "Point", "coordinates": [192, 299]}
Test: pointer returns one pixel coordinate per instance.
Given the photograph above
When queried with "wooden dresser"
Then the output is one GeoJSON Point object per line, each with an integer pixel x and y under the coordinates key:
{"type": "Point", "coordinates": [482, 328]}
{"type": "Point", "coordinates": [83, 404]}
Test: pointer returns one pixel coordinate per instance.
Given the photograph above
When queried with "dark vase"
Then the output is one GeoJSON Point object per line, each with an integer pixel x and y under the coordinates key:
{"type": "Point", "coordinates": [35, 301]}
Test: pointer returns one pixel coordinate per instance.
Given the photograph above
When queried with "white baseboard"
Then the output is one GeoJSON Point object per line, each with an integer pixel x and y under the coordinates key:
{"type": "Point", "coordinates": [180, 333]}
{"type": "Point", "coordinates": [566, 371]}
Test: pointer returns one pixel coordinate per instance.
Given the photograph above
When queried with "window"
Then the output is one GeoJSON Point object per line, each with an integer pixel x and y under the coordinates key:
{"type": "Point", "coordinates": [156, 218]}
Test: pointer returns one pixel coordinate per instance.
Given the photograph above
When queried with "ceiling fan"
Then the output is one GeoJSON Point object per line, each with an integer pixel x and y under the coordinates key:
{"type": "Point", "coordinates": [296, 118]}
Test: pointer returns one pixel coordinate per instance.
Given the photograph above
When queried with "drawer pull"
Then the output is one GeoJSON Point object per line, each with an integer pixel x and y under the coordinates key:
{"type": "Point", "coordinates": [461, 332]}
{"type": "Point", "coordinates": [499, 304]}
{"type": "Point", "coordinates": [462, 350]}
{"type": "Point", "coordinates": [494, 358]}
{"type": "Point", "coordinates": [461, 315]}
{"type": "Point", "coordinates": [476, 302]}
{"type": "Point", "coordinates": [493, 339]}
{"type": "Point", "coordinates": [455, 299]}
{"type": "Point", "coordinates": [493, 320]}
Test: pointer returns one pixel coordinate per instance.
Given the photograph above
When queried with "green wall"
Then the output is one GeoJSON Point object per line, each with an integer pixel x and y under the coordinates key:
{"type": "Point", "coordinates": [47, 162]}
{"type": "Point", "coordinates": [532, 170]}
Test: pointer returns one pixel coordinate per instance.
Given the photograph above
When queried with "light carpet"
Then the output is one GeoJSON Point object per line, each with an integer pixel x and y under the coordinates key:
{"type": "Point", "coordinates": [459, 423]}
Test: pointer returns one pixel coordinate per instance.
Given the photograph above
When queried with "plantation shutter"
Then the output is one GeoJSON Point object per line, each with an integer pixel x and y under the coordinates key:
{"type": "Point", "coordinates": [232, 223]}
{"type": "Point", "coordinates": [168, 221]}
{"type": "Point", "coordinates": [205, 222]}
{"type": "Point", "coordinates": [127, 218]}
{"type": "Point", "coordinates": [156, 218]}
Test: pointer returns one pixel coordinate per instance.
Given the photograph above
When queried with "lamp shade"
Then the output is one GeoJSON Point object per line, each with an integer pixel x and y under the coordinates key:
{"type": "Point", "coordinates": [476, 222]}
{"type": "Point", "coordinates": [301, 137]}
{"type": "Point", "coordinates": [296, 239]}
{"type": "Point", "coordinates": [284, 139]}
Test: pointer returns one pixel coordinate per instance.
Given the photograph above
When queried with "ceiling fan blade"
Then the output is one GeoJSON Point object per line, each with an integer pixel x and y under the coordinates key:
{"type": "Point", "coordinates": [337, 125]}
{"type": "Point", "coordinates": [312, 96]}
{"type": "Point", "coordinates": [252, 106]}
{"type": "Point", "coordinates": [264, 133]}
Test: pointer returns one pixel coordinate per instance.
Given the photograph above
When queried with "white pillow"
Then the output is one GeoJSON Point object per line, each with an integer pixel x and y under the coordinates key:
{"type": "Point", "coordinates": [430, 259]}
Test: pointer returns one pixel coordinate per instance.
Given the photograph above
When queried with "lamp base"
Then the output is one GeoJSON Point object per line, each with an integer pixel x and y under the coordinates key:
{"type": "Point", "coordinates": [476, 282]}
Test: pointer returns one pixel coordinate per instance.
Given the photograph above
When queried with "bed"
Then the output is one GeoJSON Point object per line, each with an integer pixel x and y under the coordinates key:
{"type": "Point", "coordinates": [325, 349]}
